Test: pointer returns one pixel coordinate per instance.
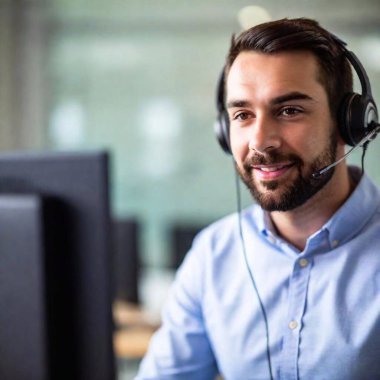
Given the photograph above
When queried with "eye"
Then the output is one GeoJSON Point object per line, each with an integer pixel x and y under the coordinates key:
{"type": "Point", "coordinates": [242, 116]}
{"type": "Point", "coordinates": [290, 111]}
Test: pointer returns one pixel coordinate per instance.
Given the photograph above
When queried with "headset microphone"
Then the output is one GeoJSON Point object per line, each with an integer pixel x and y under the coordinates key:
{"type": "Point", "coordinates": [370, 136]}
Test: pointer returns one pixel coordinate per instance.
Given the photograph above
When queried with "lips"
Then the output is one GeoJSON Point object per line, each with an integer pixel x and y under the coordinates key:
{"type": "Point", "coordinates": [273, 171]}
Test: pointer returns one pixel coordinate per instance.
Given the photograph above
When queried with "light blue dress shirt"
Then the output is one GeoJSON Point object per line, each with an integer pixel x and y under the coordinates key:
{"type": "Point", "coordinates": [322, 304]}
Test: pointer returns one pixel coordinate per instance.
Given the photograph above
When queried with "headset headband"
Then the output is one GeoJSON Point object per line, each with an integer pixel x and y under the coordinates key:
{"type": "Point", "coordinates": [356, 64]}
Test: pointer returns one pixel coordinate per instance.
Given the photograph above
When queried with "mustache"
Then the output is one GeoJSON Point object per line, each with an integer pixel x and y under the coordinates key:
{"type": "Point", "coordinates": [271, 159]}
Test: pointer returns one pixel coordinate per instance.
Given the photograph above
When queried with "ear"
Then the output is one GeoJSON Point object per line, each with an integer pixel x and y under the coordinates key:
{"type": "Point", "coordinates": [339, 136]}
{"type": "Point", "coordinates": [340, 140]}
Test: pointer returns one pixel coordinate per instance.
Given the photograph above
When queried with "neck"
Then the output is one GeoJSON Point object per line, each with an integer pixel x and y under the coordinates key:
{"type": "Point", "coordinates": [297, 225]}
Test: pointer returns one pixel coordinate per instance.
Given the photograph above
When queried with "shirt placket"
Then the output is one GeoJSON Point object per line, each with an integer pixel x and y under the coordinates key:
{"type": "Point", "coordinates": [292, 328]}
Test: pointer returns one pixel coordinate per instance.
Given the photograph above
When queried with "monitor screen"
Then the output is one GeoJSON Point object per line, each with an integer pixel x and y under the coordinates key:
{"type": "Point", "coordinates": [126, 263]}
{"type": "Point", "coordinates": [55, 262]}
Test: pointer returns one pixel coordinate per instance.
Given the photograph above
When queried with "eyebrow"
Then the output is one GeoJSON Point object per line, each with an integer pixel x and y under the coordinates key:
{"type": "Point", "coordinates": [295, 95]}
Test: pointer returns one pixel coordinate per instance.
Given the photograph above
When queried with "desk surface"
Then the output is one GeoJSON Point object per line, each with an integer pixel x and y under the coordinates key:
{"type": "Point", "coordinates": [133, 330]}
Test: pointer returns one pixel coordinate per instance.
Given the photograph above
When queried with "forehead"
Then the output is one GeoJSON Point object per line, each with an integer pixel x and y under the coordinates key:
{"type": "Point", "coordinates": [273, 74]}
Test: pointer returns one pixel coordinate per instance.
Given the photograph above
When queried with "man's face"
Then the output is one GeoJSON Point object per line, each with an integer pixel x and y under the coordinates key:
{"type": "Point", "coordinates": [281, 128]}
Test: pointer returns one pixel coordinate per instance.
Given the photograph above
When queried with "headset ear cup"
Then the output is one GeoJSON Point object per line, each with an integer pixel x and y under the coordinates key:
{"type": "Point", "coordinates": [222, 131]}
{"type": "Point", "coordinates": [344, 118]}
{"type": "Point", "coordinates": [356, 115]}
{"type": "Point", "coordinates": [222, 124]}
{"type": "Point", "coordinates": [354, 127]}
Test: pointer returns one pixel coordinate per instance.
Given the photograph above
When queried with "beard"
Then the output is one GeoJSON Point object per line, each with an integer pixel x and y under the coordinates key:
{"type": "Point", "coordinates": [291, 194]}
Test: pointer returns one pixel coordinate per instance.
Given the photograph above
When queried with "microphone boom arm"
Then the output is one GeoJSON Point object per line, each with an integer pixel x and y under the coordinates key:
{"type": "Point", "coordinates": [370, 136]}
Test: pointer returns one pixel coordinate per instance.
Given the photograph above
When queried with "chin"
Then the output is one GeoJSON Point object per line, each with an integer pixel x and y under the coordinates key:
{"type": "Point", "coordinates": [273, 196]}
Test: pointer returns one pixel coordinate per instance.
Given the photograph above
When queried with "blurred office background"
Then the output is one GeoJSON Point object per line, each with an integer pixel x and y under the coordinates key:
{"type": "Point", "coordinates": [137, 78]}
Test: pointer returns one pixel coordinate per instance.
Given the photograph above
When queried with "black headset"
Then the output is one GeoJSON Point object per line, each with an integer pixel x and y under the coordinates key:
{"type": "Point", "coordinates": [357, 115]}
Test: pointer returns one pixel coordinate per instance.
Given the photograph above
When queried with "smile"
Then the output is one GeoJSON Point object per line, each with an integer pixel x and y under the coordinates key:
{"type": "Point", "coordinates": [270, 172]}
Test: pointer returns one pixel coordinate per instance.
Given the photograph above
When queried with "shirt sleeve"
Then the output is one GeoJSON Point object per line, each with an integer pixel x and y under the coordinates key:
{"type": "Point", "coordinates": [180, 349]}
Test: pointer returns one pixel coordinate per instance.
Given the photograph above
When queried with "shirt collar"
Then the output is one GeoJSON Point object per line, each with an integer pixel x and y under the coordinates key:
{"type": "Point", "coordinates": [263, 221]}
{"type": "Point", "coordinates": [355, 212]}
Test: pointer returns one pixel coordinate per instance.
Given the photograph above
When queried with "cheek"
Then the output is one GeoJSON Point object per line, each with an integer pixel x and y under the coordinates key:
{"type": "Point", "coordinates": [305, 144]}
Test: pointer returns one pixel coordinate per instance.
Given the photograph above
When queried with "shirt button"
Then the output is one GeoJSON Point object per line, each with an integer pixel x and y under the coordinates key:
{"type": "Point", "coordinates": [303, 263]}
{"type": "Point", "coordinates": [335, 243]}
{"type": "Point", "coordinates": [293, 325]}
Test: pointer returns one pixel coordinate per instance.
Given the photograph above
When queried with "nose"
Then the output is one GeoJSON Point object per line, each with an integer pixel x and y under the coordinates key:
{"type": "Point", "coordinates": [264, 135]}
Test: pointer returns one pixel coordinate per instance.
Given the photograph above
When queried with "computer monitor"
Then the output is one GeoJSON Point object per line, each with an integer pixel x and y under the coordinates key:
{"type": "Point", "coordinates": [182, 236]}
{"type": "Point", "coordinates": [126, 269]}
{"type": "Point", "coordinates": [55, 262]}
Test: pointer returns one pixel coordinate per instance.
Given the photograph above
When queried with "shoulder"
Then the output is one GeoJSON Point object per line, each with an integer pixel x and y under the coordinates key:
{"type": "Point", "coordinates": [221, 237]}
{"type": "Point", "coordinates": [226, 228]}
{"type": "Point", "coordinates": [213, 258]}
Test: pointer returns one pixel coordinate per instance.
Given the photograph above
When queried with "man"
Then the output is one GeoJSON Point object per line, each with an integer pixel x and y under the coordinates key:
{"type": "Point", "coordinates": [311, 242]}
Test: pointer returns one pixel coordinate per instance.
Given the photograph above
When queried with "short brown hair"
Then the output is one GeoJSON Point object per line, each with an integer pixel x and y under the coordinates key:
{"type": "Point", "coordinates": [300, 34]}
